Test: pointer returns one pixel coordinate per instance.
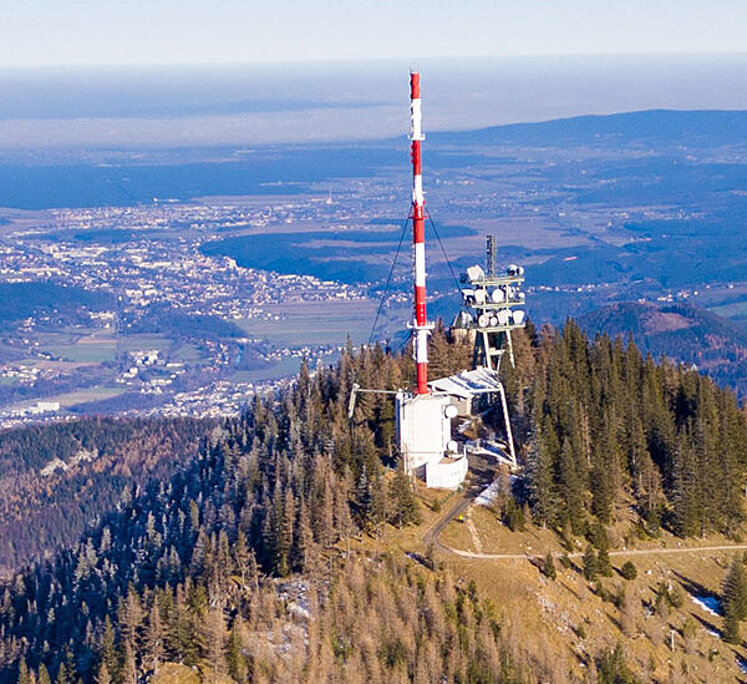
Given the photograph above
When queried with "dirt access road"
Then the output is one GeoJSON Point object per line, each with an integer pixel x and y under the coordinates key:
{"type": "Point", "coordinates": [431, 538]}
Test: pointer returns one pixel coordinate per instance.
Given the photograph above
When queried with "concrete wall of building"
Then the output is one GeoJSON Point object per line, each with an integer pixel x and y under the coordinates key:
{"type": "Point", "coordinates": [423, 430]}
{"type": "Point", "coordinates": [447, 473]}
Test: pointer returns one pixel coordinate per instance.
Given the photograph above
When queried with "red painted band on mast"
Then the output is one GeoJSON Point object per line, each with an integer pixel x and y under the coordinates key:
{"type": "Point", "coordinates": [414, 85]}
{"type": "Point", "coordinates": [416, 158]}
{"type": "Point", "coordinates": [418, 216]}
{"type": "Point", "coordinates": [422, 378]}
{"type": "Point", "coordinates": [420, 305]}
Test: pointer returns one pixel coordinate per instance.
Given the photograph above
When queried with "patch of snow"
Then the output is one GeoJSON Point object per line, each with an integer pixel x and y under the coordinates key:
{"type": "Point", "coordinates": [53, 466]}
{"type": "Point", "coordinates": [83, 456]}
{"type": "Point", "coordinates": [709, 603]}
{"type": "Point", "coordinates": [742, 664]}
{"type": "Point", "coordinates": [488, 495]}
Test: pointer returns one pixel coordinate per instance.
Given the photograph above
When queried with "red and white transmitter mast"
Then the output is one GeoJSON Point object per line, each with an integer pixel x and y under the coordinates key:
{"type": "Point", "coordinates": [423, 417]}
{"type": "Point", "coordinates": [420, 327]}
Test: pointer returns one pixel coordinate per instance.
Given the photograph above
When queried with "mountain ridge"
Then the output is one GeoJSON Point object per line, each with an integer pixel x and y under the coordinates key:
{"type": "Point", "coordinates": [667, 125]}
{"type": "Point", "coordinates": [681, 331]}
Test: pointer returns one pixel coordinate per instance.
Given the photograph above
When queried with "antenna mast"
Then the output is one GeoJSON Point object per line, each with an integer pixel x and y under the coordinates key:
{"type": "Point", "coordinates": [420, 326]}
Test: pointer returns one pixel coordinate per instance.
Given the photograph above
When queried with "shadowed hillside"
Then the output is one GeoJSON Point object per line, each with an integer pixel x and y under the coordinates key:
{"type": "Point", "coordinates": [682, 332]}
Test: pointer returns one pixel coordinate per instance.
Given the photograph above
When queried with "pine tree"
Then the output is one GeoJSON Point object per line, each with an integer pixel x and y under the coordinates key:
{"type": "Point", "coordinates": [241, 556]}
{"type": "Point", "coordinates": [364, 500]}
{"type": "Point", "coordinates": [128, 673]}
{"type": "Point", "coordinates": [604, 567]}
{"type": "Point", "coordinates": [62, 677]}
{"type": "Point", "coordinates": [734, 600]}
{"type": "Point", "coordinates": [107, 648]}
{"type": "Point", "coordinates": [590, 564]}
{"type": "Point", "coordinates": [686, 499]}
{"type": "Point", "coordinates": [154, 638]}
{"type": "Point", "coordinates": [23, 673]}
{"type": "Point", "coordinates": [276, 538]}
{"type": "Point", "coordinates": [732, 632]}
{"type": "Point", "coordinates": [130, 615]}
{"type": "Point", "coordinates": [215, 639]}
{"type": "Point", "coordinates": [182, 637]}
{"type": "Point", "coordinates": [601, 486]}
{"type": "Point", "coordinates": [548, 567]}
{"type": "Point", "coordinates": [286, 523]}
{"type": "Point", "coordinates": [102, 675]}
{"type": "Point", "coordinates": [344, 524]}
{"type": "Point", "coordinates": [572, 487]}
{"type": "Point", "coordinates": [43, 677]}
{"type": "Point", "coordinates": [235, 660]}
{"type": "Point", "coordinates": [628, 570]}
{"type": "Point", "coordinates": [381, 506]}
{"type": "Point", "coordinates": [223, 567]}
{"type": "Point", "coordinates": [543, 456]}
{"type": "Point", "coordinates": [322, 518]}
{"type": "Point", "coordinates": [404, 505]}
{"type": "Point", "coordinates": [733, 442]}
{"type": "Point", "coordinates": [303, 553]}
{"type": "Point", "coordinates": [613, 669]}
{"type": "Point", "coordinates": [648, 490]}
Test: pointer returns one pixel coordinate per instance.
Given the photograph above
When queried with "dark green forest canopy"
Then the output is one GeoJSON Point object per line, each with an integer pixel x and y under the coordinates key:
{"type": "Point", "coordinates": [188, 570]}
{"type": "Point", "coordinates": [605, 424]}
{"type": "Point", "coordinates": [21, 300]}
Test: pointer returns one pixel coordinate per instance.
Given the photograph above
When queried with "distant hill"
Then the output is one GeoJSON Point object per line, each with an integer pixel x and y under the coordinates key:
{"type": "Point", "coordinates": [664, 126]}
{"type": "Point", "coordinates": [681, 331]}
{"type": "Point", "coordinates": [21, 300]}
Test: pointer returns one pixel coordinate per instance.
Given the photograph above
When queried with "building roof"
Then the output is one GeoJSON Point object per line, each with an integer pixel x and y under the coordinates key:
{"type": "Point", "coordinates": [468, 384]}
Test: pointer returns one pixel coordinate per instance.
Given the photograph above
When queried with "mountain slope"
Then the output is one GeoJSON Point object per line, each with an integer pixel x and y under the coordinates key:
{"type": "Point", "coordinates": [680, 331]}
{"type": "Point", "coordinates": [281, 552]}
{"type": "Point", "coordinates": [57, 479]}
{"type": "Point", "coordinates": [180, 572]}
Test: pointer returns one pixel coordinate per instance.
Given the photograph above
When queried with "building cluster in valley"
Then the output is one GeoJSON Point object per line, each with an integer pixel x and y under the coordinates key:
{"type": "Point", "coordinates": [149, 259]}
{"type": "Point", "coordinates": [145, 270]}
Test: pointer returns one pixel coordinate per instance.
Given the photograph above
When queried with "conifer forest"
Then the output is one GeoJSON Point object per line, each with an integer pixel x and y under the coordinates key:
{"type": "Point", "coordinates": [254, 550]}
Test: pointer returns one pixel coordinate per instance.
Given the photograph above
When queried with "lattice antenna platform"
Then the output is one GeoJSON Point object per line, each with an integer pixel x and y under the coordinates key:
{"type": "Point", "coordinates": [492, 306]}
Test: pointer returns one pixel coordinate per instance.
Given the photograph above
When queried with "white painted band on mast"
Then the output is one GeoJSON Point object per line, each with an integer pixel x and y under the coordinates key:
{"type": "Point", "coordinates": [421, 342]}
{"type": "Point", "coordinates": [415, 120]}
{"type": "Point", "coordinates": [420, 264]}
{"type": "Point", "coordinates": [417, 190]}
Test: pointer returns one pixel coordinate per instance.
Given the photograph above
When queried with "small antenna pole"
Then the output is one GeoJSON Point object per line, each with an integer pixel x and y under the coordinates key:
{"type": "Point", "coordinates": [490, 260]}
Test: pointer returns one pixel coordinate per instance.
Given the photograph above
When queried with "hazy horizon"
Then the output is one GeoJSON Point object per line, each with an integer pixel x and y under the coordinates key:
{"type": "Point", "coordinates": [207, 105]}
{"type": "Point", "coordinates": [37, 32]}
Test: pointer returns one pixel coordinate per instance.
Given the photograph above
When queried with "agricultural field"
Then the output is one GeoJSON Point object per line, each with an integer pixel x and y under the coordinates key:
{"type": "Point", "coordinates": [301, 324]}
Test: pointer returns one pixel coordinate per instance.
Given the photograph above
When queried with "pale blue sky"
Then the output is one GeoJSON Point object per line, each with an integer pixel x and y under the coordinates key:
{"type": "Point", "coordinates": [85, 32]}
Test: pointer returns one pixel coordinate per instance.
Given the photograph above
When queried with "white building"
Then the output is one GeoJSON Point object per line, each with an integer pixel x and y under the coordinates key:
{"type": "Point", "coordinates": [424, 433]}
{"type": "Point", "coordinates": [424, 439]}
